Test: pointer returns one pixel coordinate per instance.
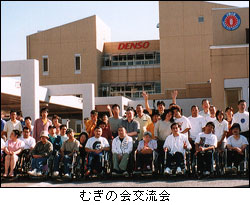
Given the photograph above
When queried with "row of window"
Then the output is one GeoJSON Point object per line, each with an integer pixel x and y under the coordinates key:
{"type": "Point", "coordinates": [45, 64]}
{"type": "Point", "coordinates": [129, 91]}
{"type": "Point", "coordinates": [131, 59]}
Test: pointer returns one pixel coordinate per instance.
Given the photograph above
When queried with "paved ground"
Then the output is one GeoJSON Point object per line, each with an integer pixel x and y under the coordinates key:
{"type": "Point", "coordinates": [137, 182]}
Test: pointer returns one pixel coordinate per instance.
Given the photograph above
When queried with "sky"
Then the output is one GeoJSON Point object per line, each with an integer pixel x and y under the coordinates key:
{"type": "Point", "coordinates": [128, 20]}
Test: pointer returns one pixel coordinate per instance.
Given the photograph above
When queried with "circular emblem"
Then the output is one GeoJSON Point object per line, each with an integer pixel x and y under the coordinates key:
{"type": "Point", "coordinates": [242, 120]}
{"type": "Point", "coordinates": [231, 21]}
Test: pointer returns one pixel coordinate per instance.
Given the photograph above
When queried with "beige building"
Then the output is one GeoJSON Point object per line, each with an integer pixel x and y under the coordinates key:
{"type": "Point", "coordinates": [195, 55]}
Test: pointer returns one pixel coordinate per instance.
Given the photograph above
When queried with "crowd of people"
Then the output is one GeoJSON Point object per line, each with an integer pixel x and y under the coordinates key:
{"type": "Point", "coordinates": [140, 133]}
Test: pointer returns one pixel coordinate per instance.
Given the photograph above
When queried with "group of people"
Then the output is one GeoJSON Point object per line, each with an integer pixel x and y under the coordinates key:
{"type": "Point", "coordinates": [135, 136]}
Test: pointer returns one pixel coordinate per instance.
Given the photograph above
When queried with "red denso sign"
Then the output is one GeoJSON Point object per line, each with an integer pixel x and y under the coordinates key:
{"type": "Point", "coordinates": [133, 45]}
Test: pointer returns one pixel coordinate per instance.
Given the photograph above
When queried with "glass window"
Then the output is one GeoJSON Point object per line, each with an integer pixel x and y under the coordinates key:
{"type": "Point", "coordinates": [77, 62]}
{"type": "Point", "coordinates": [139, 56]}
{"type": "Point", "coordinates": [45, 64]}
{"type": "Point", "coordinates": [149, 56]}
{"type": "Point", "coordinates": [201, 19]}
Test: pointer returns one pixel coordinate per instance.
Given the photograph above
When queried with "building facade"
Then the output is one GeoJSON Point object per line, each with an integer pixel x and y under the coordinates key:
{"type": "Point", "coordinates": [195, 55]}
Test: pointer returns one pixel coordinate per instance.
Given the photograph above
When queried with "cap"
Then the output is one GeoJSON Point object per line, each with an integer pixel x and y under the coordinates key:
{"type": "Point", "coordinates": [44, 134]}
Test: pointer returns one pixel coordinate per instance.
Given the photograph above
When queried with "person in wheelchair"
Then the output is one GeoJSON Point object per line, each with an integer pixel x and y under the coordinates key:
{"type": "Point", "coordinates": [205, 144]}
{"type": "Point", "coordinates": [13, 147]}
{"type": "Point", "coordinates": [236, 145]}
{"type": "Point", "coordinates": [122, 146]}
{"type": "Point", "coordinates": [29, 144]}
{"type": "Point", "coordinates": [68, 149]}
{"type": "Point", "coordinates": [40, 155]}
{"type": "Point", "coordinates": [145, 152]}
{"type": "Point", "coordinates": [175, 145]}
{"type": "Point", "coordinates": [95, 147]}
{"type": "Point", "coordinates": [57, 143]}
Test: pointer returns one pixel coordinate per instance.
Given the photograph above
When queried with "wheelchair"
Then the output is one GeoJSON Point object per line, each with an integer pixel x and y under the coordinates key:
{"type": "Point", "coordinates": [198, 170]}
{"type": "Point", "coordinates": [185, 165]}
{"type": "Point", "coordinates": [46, 169]}
{"type": "Point", "coordinates": [242, 169]}
{"type": "Point", "coordinates": [24, 163]}
{"type": "Point", "coordinates": [144, 171]}
{"type": "Point", "coordinates": [104, 169]}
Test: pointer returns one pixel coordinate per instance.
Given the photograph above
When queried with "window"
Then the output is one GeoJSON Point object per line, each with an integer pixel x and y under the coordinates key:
{"type": "Point", "coordinates": [201, 19]}
{"type": "Point", "coordinates": [45, 65]}
{"type": "Point", "coordinates": [77, 63]}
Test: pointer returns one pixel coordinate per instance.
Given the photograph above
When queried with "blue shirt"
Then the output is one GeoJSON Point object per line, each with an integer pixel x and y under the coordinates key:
{"type": "Point", "coordinates": [2, 124]}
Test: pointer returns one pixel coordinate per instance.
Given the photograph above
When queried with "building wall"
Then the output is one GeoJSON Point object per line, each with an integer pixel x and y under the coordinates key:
{"type": "Point", "coordinates": [227, 63]}
{"type": "Point", "coordinates": [222, 36]}
{"type": "Point", "coordinates": [184, 42]}
{"type": "Point", "coordinates": [61, 43]}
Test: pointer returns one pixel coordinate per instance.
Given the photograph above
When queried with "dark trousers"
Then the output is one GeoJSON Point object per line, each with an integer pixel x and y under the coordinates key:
{"type": "Point", "coordinates": [95, 161]}
{"type": "Point", "coordinates": [160, 156]}
{"type": "Point", "coordinates": [177, 157]}
{"type": "Point", "coordinates": [204, 161]}
{"type": "Point", "coordinates": [192, 151]}
{"type": "Point", "coordinates": [246, 134]}
{"type": "Point", "coordinates": [67, 161]}
{"type": "Point", "coordinates": [38, 163]}
{"type": "Point", "coordinates": [144, 160]}
{"type": "Point", "coordinates": [234, 157]}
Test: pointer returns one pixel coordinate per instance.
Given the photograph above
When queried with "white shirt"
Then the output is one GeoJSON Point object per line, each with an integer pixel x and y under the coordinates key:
{"type": "Point", "coordinates": [64, 138]}
{"type": "Point", "coordinates": [97, 143]}
{"type": "Point", "coordinates": [175, 144]}
{"type": "Point", "coordinates": [185, 123]}
{"type": "Point", "coordinates": [197, 123]}
{"type": "Point", "coordinates": [126, 146]}
{"type": "Point", "coordinates": [237, 143]}
{"type": "Point", "coordinates": [29, 142]}
{"type": "Point", "coordinates": [205, 115]}
{"type": "Point", "coordinates": [144, 121]}
{"type": "Point", "coordinates": [220, 128]}
{"type": "Point", "coordinates": [210, 119]}
{"type": "Point", "coordinates": [10, 126]}
{"type": "Point", "coordinates": [2, 143]}
{"type": "Point", "coordinates": [206, 139]}
{"type": "Point", "coordinates": [242, 119]}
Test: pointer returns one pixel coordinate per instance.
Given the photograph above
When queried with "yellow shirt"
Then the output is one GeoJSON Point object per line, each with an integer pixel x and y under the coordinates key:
{"type": "Point", "coordinates": [45, 121]}
{"type": "Point", "coordinates": [151, 128]}
{"type": "Point", "coordinates": [89, 127]}
{"type": "Point", "coordinates": [144, 121]}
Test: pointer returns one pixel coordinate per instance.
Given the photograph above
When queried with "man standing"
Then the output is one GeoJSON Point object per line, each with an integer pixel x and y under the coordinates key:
{"type": "Point", "coordinates": [242, 118]}
{"type": "Point", "coordinates": [143, 119]}
{"type": "Point", "coordinates": [41, 124]}
{"type": "Point", "coordinates": [116, 120]}
{"type": "Point", "coordinates": [12, 124]}
{"type": "Point", "coordinates": [205, 112]}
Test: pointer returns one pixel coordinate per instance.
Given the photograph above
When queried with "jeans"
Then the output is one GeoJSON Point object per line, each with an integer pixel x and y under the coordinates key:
{"type": "Point", "coordinates": [56, 162]}
{"type": "Point", "coordinates": [67, 161]}
{"type": "Point", "coordinates": [120, 165]}
{"type": "Point", "coordinates": [95, 161]}
{"type": "Point", "coordinates": [38, 163]}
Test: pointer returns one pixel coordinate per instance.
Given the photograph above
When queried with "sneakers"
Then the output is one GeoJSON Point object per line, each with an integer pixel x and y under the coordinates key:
{"type": "Point", "coordinates": [178, 170]}
{"type": "Point", "coordinates": [206, 173]}
{"type": "Point", "coordinates": [228, 169]}
{"type": "Point", "coordinates": [148, 167]}
{"type": "Point", "coordinates": [32, 173]}
{"type": "Point", "coordinates": [66, 175]}
{"type": "Point", "coordinates": [55, 173]}
{"type": "Point", "coordinates": [125, 173]}
{"type": "Point", "coordinates": [167, 171]}
{"type": "Point", "coordinates": [39, 174]}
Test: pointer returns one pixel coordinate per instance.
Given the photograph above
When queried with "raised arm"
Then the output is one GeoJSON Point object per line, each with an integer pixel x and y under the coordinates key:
{"type": "Point", "coordinates": [145, 96]}
{"type": "Point", "coordinates": [174, 94]}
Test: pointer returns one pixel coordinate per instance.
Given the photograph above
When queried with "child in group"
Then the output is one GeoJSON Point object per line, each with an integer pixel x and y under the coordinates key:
{"type": "Point", "coordinates": [205, 143]}
{"type": "Point", "coordinates": [145, 152]}
{"type": "Point", "coordinates": [236, 145]}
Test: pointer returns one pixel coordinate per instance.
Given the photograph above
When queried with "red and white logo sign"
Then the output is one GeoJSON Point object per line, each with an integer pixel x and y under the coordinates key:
{"type": "Point", "coordinates": [133, 45]}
